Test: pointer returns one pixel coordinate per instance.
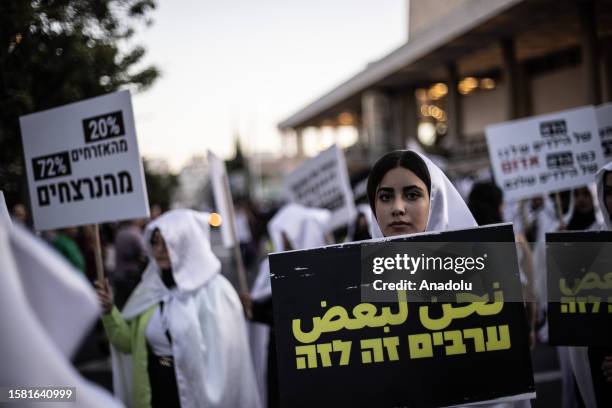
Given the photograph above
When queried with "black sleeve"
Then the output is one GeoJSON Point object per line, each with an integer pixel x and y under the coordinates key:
{"type": "Point", "coordinates": [262, 311]}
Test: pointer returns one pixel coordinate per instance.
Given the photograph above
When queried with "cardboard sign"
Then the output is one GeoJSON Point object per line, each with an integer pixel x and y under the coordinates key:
{"type": "Point", "coordinates": [579, 284]}
{"type": "Point", "coordinates": [604, 121]}
{"type": "Point", "coordinates": [335, 350]}
{"type": "Point", "coordinates": [323, 182]}
{"type": "Point", "coordinates": [83, 164]}
{"type": "Point", "coordinates": [223, 199]}
{"type": "Point", "coordinates": [546, 153]}
{"type": "Point", "coordinates": [5, 217]}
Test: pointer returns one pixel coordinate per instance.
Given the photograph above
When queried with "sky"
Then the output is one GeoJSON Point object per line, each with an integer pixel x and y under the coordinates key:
{"type": "Point", "coordinates": [244, 66]}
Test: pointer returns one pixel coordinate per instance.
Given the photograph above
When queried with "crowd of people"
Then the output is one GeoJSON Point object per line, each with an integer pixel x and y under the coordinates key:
{"type": "Point", "coordinates": [177, 330]}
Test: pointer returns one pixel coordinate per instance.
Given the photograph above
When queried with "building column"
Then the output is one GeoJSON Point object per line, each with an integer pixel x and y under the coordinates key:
{"type": "Point", "coordinates": [454, 110]}
{"type": "Point", "coordinates": [590, 51]}
{"type": "Point", "coordinates": [376, 116]}
{"type": "Point", "coordinates": [511, 77]}
{"type": "Point", "coordinates": [299, 142]}
{"type": "Point", "coordinates": [404, 118]}
{"type": "Point", "coordinates": [607, 67]}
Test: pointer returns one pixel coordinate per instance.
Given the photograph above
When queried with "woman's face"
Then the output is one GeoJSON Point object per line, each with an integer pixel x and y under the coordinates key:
{"type": "Point", "coordinates": [608, 192]}
{"type": "Point", "coordinates": [402, 203]}
{"type": "Point", "coordinates": [160, 252]}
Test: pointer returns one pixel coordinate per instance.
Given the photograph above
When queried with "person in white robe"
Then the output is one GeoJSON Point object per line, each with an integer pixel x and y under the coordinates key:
{"type": "Point", "coordinates": [183, 306]}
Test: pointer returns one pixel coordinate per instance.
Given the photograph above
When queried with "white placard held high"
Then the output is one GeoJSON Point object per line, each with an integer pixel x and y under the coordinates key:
{"type": "Point", "coordinates": [223, 199]}
{"type": "Point", "coordinates": [83, 164]}
{"type": "Point", "coordinates": [545, 153]}
{"type": "Point", "coordinates": [604, 121]}
{"type": "Point", "coordinates": [323, 182]}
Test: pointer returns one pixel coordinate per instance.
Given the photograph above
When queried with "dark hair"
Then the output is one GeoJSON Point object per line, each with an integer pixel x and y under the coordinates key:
{"type": "Point", "coordinates": [484, 202]}
{"type": "Point", "coordinates": [398, 158]}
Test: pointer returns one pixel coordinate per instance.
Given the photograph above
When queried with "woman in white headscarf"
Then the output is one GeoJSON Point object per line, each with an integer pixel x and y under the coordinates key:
{"type": "Point", "coordinates": [183, 326]}
{"type": "Point", "coordinates": [409, 194]}
{"type": "Point", "coordinates": [292, 227]}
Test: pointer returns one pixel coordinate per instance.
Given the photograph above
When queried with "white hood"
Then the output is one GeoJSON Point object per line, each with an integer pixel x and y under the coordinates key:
{"type": "Point", "coordinates": [305, 227]}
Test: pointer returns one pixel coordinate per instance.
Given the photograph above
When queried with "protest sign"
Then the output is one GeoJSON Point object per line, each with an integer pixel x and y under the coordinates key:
{"type": "Point", "coordinates": [334, 349]}
{"type": "Point", "coordinates": [579, 285]}
{"type": "Point", "coordinates": [4, 214]}
{"type": "Point", "coordinates": [225, 207]}
{"type": "Point", "coordinates": [546, 153]}
{"type": "Point", "coordinates": [604, 121]}
{"type": "Point", "coordinates": [323, 182]}
{"type": "Point", "coordinates": [223, 199]}
{"type": "Point", "coordinates": [83, 164]}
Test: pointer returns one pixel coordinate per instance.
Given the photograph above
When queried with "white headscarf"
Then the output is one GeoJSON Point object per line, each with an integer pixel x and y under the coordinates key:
{"type": "Point", "coordinates": [305, 227]}
{"type": "Point", "coordinates": [600, 194]}
{"type": "Point", "coordinates": [204, 316]}
{"type": "Point", "coordinates": [46, 307]}
{"type": "Point", "coordinates": [447, 210]}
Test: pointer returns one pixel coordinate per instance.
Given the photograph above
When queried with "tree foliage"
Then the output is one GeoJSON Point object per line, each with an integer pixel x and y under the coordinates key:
{"type": "Point", "coordinates": [160, 187]}
{"type": "Point", "coordinates": [54, 52]}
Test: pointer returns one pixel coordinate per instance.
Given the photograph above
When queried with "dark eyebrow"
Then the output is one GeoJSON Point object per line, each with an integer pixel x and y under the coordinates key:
{"type": "Point", "coordinates": [386, 189]}
{"type": "Point", "coordinates": [412, 187]}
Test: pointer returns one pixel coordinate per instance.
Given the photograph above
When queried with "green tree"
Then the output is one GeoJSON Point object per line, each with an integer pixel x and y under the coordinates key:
{"type": "Point", "coordinates": [160, 187]}
{"type": "Point", "coordinates": [54, 52]}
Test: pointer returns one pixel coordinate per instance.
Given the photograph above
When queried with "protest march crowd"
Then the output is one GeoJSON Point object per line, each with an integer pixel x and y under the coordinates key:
{"type": "Point", "coordinates": [178, 333]}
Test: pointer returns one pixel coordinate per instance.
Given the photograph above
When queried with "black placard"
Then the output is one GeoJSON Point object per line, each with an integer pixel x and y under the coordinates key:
{"type": "Point", "coordinates": [369, 373]}
{"type": "Point", "coordinates": [579, 285]}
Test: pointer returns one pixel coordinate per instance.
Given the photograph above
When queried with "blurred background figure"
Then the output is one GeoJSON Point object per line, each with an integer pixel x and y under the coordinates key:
{"type": "Point", "coordinates": [360, 229]}
{"type": "Point", "coordinates": [21, 215]}
{"type": "Point", "coordinates": [292, 227]}
{"type": "Point", "coordinates": [65, 241]}
{"type": "Point", "coordinates": [486, 202]}
{"type": "Point", "coordinates": [130, 259]}
{"type": "Point", "coordinates": [585, 215]}
{"type": "Point", "coordinates": [155, 211]}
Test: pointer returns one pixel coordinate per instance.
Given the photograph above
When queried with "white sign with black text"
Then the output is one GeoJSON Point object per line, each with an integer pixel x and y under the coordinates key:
{"type": "Point", "coordinates": [545, 153]}
{"type": "Point", "coordinates": [83, 164]}
{"type": "Point", "coordinates": [323, 182]}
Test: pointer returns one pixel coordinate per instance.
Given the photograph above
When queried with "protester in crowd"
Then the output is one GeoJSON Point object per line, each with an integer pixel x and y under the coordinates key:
{"type": "Point", "coordinates": [155, 211]}
{"type": "Point", "coordinates": [292, 227]}
{"type": "Point", "coordinates": [21, 215]}
{"type": "Point", "coordinates": [585, 215]}
{"type": "Point", "coordinates": [130, 259]}
{"type": "Point", "coordinates": [486, 202]}
{"type": "Point", "coordinates": [360, 228]}
{"type": "Point", "coordinates": [65, 242]}
{"type": "Point", "coordinates": [183, 325]}
{"type": "Point", "coordinates": [409, 194]}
